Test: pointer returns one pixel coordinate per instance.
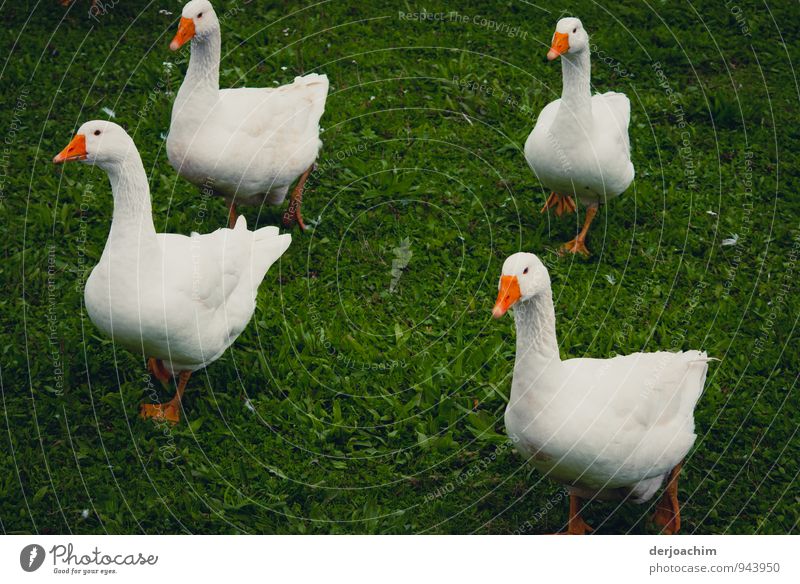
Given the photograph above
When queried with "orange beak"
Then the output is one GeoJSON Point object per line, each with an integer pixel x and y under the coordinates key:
{"type": "Point", "coordinates": [75, 150]}
{"type": "Point", "coordinates": [184, 34]}
{"type": "Point", "coordinates": [508, 295]}
{"type": "Point", "coordinates": [559, 46]}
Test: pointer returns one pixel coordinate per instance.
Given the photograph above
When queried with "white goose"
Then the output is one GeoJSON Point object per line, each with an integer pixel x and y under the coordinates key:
{"type": "Point", "coordinates": [607, 428]}
{"type": "Point", "coordinates": [181, 301]}
{"type": "Point", "coordinates": [247, 145]}
{"type": "Point", "coordinates": [580, 146]}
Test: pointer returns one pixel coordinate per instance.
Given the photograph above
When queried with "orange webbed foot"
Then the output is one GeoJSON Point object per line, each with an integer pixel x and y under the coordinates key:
{"type": "Point", "coordinates": [579, 527]}
{"type": "Point", "coordinates": [169, 412]}
{"type": "Point", "coordinates": [577, 245]}
{"type": "Point", "coordinates": [561, 204]}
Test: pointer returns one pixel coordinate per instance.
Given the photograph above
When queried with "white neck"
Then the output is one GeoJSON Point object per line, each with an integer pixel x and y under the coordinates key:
{"type": "Point", "coordinates": [576, 94]}
{"type": "Point", "coordinates": [201, 83]}
{"type": "Point", "coordinates": [535, 319]}
{"type": "Point", "coordinates": [537, 347]}
{"type": "Point", "coordinates": [133, 212]}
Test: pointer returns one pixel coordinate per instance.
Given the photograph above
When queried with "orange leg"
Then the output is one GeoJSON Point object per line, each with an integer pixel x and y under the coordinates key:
{"type": "Point", "coordinates": [578, 245]}
{"type": "Point", "coordinates": [232, 216]}
{"type": "Point", "coordinates": [156, 367]}
{"type": "Point", "coordinates": [170, 411]}
{"type": "Point", "coordinates": [559, 203]}
{"type": "Point", "coordinates": [293, 214]}
{"type": "Point", "coordinates": [576, 525]}
{"type": "Point", "coordinates": [668, 511]}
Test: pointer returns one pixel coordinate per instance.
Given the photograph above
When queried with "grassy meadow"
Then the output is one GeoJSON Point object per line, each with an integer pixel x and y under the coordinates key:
{"type": "Point", "coordinates": [367, 394]}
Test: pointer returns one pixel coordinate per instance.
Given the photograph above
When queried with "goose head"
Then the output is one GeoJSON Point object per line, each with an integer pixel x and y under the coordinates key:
{"type": "Point", "coordinates": [524, 276]}
{"type": "Point", "coordinates": [570, 38]}
{"type": "Point", "coordinates": [198, 20]}
{"type": "Point", "coordinates": [98, 142]}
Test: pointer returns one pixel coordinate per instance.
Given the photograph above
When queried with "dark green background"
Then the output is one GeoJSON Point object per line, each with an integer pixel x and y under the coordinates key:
{"type": "Point", "coordinates": [350, 407]}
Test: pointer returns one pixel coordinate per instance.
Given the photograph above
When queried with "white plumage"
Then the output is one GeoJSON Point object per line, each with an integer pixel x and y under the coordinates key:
{"type": "Point", "coordinates": [607, 428]}
{"type": "Point", "coordinates": [182, 300]}
{"type": "Point", "coordinates": [589, 161]}
{"type": "Point", "coordinates": [580, 146]}
{"type": "Point", "coordinates": [247, 145]}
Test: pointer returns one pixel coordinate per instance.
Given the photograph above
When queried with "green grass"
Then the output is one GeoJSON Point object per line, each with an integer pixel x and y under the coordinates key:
{"type": "Point", "coordinates": [350, 405]}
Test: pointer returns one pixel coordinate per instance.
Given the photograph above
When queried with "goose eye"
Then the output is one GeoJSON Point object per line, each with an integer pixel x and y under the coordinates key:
{"type": "Point", "coordinates": [97, 132]}
{"type": "Point", "coordinates": [575, 30]}
{"type": "Point", "coordinates": [200, 15]}
{"type": "Point", "coordinates": [525, 271]}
